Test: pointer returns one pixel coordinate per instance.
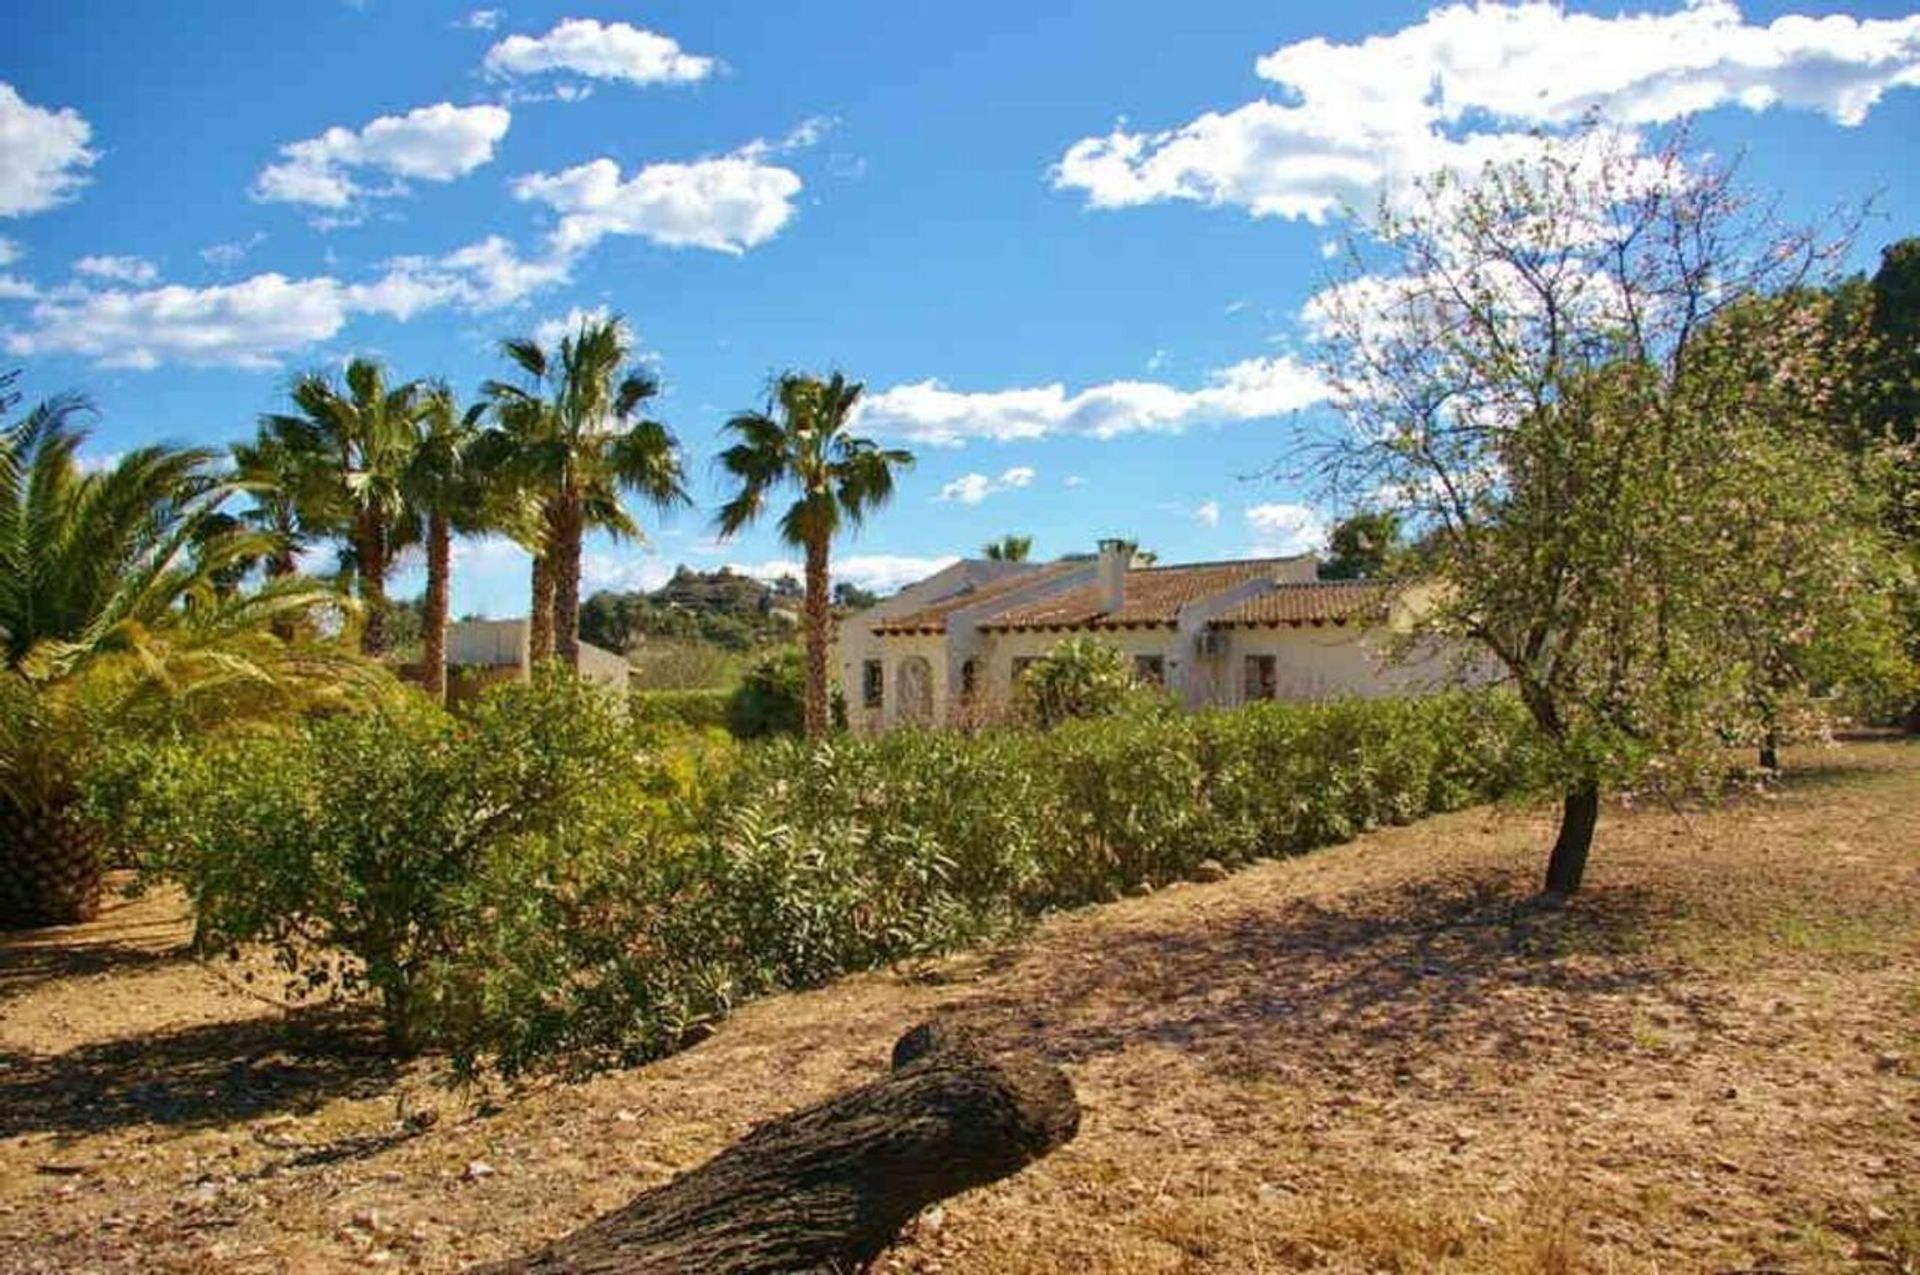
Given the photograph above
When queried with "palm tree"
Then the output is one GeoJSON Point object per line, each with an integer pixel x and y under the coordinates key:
{"type": "Point", "coordinates": [443, 484]}
{"type": "Point", "coordinates": [281, 483]}
{"type": "Point", "coordinates": [574, 439]}
{"type": "Point", "coordinates": [802, 440]}
{"type": "Point", "coordinates": [361, 437]}
{"type": "Point", "coordinates": [1008, 549]}
{"type": "Point", "coordinates": [114, 615]}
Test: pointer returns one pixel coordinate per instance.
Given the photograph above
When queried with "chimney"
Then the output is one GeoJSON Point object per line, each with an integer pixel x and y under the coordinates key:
{"type": "Point", "coordinates": [1115, 557]}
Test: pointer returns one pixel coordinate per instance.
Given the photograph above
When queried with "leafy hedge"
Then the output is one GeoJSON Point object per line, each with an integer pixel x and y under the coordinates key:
{"type": "Point", "coordinates": [697, 710]}
{"type": "Point", "coordinates": [555, 879]}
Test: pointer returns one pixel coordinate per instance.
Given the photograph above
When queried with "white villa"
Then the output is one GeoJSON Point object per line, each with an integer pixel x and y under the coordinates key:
{"type": "Point", "coordinates": [949, 649]}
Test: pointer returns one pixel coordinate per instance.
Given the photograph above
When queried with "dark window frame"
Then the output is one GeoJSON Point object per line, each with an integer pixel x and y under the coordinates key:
{"type": "Point", "coordinates": [1259, 678]}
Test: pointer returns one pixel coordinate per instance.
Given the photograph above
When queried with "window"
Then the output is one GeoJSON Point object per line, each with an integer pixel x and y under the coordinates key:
{"type": "Point", "coordinates": [873, 684]}
{"type": "Point", "coordinates": [1020, 665]}
{"type": "Point", "coordinates": [1150, 669]}
{"type": "Point", "coordinates": [969, 678]}
{"type": "Point", "coordinates": [1262, 680]}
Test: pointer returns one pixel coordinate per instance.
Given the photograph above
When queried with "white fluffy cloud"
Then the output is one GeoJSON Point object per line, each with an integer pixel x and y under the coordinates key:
{"type": "Point", "coordinates": [483, 19]}
{"type": "Point", "coordinates": [1463, 85]}
{"type": "Point", "coordinates": [878, 572]}
{"type": "Point", "coordinates": [729, 204]}
{"type": "Point", "coordinates": [1281, 530]}
{"type": "Point", "coordinates": [484, 275]}
{"type": "Point", "coordinates": [929, 412]}
{"type": "Point", "coordinates": [601, 51]}
{"type": "Point", "coordinates": [1208, 514]}
{"type": "Point", "coordinates": [258, 321]}
{"type": "Point", "coordinates": [431, 143]}
{"type": "Point", "coordinates": [550, 332]}
{"type": "Point", "coordinates": [134, 270]}
{"type": "Point", "coordinates": [246, 324]}
{"type": "Point", "coordinates": [43, 154]}
{"type": "Point", "coordinates": [971, 489]}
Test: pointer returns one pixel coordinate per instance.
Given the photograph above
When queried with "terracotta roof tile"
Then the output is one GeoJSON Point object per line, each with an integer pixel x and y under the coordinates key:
{"type": "Point", "coordinates": [933, 617]}
{"type": "Point", "coordinates": [1154, 596]}
{"type": "Point", "coordinates": [1317, 602]}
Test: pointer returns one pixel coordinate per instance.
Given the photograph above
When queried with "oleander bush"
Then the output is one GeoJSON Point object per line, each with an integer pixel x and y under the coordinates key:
{"type": "Point", "coordinates": [554, 878]}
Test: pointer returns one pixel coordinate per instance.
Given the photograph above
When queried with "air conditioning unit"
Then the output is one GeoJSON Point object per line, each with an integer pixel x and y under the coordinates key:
{"type": "Point", "coordinates": [1210, 644]}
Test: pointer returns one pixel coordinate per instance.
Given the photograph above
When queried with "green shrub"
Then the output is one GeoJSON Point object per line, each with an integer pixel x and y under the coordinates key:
{"type": "Point", "coordinates": [1080, 677]}
{"type": "Point", "coordinates": [697, 710]}
{"type": "Point", "coordinates": [771, 698]}
{"type": "Point", "coordinates": [478, 875]}
{"type": "Point", "coordinates": [554, 879]}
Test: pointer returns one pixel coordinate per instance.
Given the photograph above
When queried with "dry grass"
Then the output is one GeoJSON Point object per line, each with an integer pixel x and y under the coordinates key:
{"type": "Point", "coordinates": [1376, 1058]}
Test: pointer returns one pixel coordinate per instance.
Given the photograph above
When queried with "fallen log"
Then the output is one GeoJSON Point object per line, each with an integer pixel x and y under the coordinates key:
{"type": "Point", "coordinates": [827, 1189]}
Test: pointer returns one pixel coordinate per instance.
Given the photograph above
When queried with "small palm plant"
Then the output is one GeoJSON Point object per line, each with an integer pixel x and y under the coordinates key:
{"type": "Point", "coordinates": [575, 439]}
{"type": "Point", "coordinates": [803, 440]}
{"type": "Point", "coordinates": [117, 614]}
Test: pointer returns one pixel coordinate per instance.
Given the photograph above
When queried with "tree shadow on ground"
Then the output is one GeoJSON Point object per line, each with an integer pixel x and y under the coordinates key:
{"type": "Point", "coordinates": [204, 1075]}
{"type": "Point", "coordinates": [1370, 983]}
{"type": "Point", "coordinates": [31, 958]}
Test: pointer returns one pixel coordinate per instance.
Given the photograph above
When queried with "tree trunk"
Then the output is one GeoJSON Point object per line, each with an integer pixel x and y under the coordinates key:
{"type": "Point", "coordinates": [371, 550]}
{"type": "Point", "coordinates": [565, 539]}
{"type": "Point", "coordinates": [819, 617]}
{"type": "Point", "coordinates": [51, 870]}
{"type": "Point", "coordinates": [828, 1188]}
{"type": "Point", "coordinates": [281, 564]}
{"type": "Point", "coordinates": [433, 636]}
{"type": "Point", "coordinates": [1567, 865]}
{"type": "Point", "coordinates": [1770, 751]}
{"type": "Point", "coordinates": [540, 616]}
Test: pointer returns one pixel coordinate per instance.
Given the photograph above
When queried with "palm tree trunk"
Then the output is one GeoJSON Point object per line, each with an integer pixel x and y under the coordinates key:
{"type": "Point", "coordinates": [371, 549]}
{"type": "Point", "coordinates": [434, 622]}
{"type": "Point", "coordinates": [540, 618]}
{"type": "Point", "coordinates": [819, 615]}
{"type": "Point", "coordinates": [51, 869]}
{"type": "Point", "coordinates": [281, 564]}
{"type": "Point", "coordinates": [565, 539]}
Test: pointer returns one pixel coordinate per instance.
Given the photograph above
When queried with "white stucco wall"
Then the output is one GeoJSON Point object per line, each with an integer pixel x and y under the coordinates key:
{"type": "Point", "coordinates": [503, 644]}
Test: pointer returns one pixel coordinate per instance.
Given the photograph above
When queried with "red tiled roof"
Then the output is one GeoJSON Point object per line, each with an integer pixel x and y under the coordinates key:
{"type": "Point", "coordinates": [933, 617]}
{"type": "Point", "coordinates": [1153, 597]}
{"type": "Point", "coordinates": [1309, 602]}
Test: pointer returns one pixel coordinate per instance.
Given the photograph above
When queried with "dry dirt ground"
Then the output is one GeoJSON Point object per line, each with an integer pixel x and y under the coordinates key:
{"type": "Point", "coordinates": [1377, 1057]}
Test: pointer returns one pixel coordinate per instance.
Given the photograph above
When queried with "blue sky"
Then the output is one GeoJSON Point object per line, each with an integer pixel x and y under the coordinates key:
{"type": "Point", "coordinates": [1064, 244]}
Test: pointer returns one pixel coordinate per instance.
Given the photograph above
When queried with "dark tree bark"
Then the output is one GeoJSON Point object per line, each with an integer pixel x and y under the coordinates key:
{"type": "Point", "coordinates": [1770, 752]}
{"type": "Point", "coordinates": [540, 613]}
{"type": "Point", "coordinates": [1567, 865]}
{"type": "Point", "coordinates": [439, 589]}
{"type": "Point", "coordinates": [370, 548]}
{"type": "Point", "coordinates": [828, 1188]}
{"type": "Point", "coordinates": [819, 617]}
{"type": "Point", "coordinates": [566, 529]}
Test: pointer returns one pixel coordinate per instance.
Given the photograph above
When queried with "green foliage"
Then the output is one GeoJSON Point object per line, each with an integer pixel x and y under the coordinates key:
{"type": "Point", "coordinates": [119, 615]}
{"type": "Point", "coordinates": [475, 873]}
{"type": "Point", "coordinates": [696, 710]}
{"type": "Point", "coordinates": [552, 881]}
{"type": "Point", "coordinates": [734, 612]}
{"type": "Point", "coordinates": [1008, 548]}
{"type": "Point", "coordinates": [1362, 546]}
{"type": "Point", "coordinates": [771, 697]}
{"type": "Point", "coordinates": [1080, 677]}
